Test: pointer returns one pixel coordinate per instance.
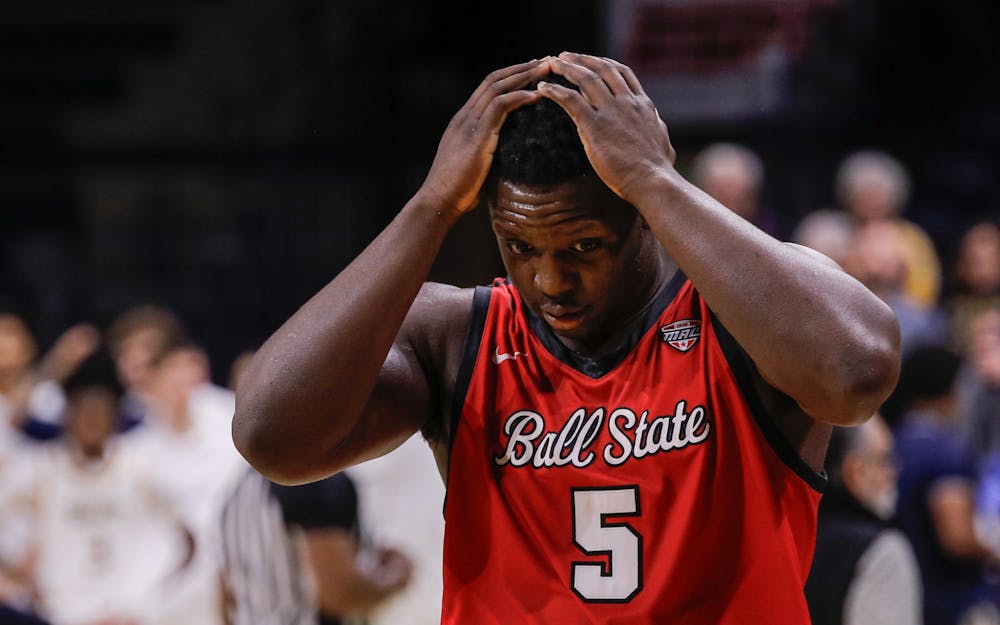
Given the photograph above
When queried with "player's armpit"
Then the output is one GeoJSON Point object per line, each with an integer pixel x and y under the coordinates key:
{"type": "Point", "coordinates": [805, 436]}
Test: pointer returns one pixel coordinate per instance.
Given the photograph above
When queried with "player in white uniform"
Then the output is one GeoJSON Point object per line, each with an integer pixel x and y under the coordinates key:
{"type": "Point", "coordinates": [188, 433]}
{"type": "Point", "coordinates": [103, 540]}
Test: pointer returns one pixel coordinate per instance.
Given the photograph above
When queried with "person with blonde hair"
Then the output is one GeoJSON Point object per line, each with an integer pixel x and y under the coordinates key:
{"type": "Point", "coordinates": [733, 174]}
{"type": "Point", "coordinates": [874, 186]}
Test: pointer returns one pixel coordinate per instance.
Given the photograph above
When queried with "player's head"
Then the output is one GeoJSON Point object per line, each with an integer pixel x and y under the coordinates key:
{"type": "Point", "coordinates": [732, 174]}
{"type": "Point", "coordinates": [872, 185]}
{"type": "Point", "coordinates": [928, 381]}
{"type": "Point", "coordinates": [539, 145]}
{"type": "Point", "coordinates": [579, 255]}
{"type": "Point", "coordinates": [92, 401]}
{"type": "Point", "coordinates": [139, 336]}
{"type": "Point", "coordinates": [978, 264]}
{"type": "Point", "coordinates": [176, 373]}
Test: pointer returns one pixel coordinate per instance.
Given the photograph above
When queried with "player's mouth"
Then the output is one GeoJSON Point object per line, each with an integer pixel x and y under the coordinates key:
{"type": "Point", "coordinates": [564, 318]}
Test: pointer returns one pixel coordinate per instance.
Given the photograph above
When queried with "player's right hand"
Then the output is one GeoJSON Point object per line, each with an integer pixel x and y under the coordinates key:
{"type": "Point", "coordinates": [465, 152]}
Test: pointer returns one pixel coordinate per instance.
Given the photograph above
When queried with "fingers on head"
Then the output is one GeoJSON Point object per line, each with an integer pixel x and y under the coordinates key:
{"type": "Point", "coordinates": [498, 108]}
{"type": "Point", "coordinates": [608, 70]}
{"type": "Point", "coordinates": [507, 79]}
{"type": "Point", "coordinates": [590, 85]}
{"type": "Point", "coordinates": [572, 101]}
{"type": "Point", "coordinates": [627, 75]}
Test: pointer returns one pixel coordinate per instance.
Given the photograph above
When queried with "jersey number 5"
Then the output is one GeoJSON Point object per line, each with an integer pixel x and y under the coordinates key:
{"type": "Point", "coordinates": [619, 578]}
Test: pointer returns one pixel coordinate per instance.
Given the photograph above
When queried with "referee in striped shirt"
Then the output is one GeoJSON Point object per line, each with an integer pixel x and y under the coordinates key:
{"type": "Point", "coordinates": [290, 556]}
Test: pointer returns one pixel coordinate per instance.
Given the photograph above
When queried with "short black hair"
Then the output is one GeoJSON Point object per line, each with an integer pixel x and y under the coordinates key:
{"type": "Point", "coordinates": [97, 371]}
{"type": "Point", "coordinates": [539, 144]}
{"type": "Point", "coordinates": [928, 372]}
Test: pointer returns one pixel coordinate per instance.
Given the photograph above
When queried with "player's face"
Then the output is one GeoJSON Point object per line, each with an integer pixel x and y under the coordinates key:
{"type": "Point", "coordinates": [578, 254]}
{"type": "Point", "coordinates": [92, 413]}
{"type": "Point", "coordinates": [135, 356]}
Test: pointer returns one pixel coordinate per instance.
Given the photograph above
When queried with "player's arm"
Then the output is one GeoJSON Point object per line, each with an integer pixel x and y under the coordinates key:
{"type": "Point", "coordinates": [344, 585]}
{"type": "Point", "coordinates": [813, 332]}
{"type": "Point", "coordinates": [344, 378]}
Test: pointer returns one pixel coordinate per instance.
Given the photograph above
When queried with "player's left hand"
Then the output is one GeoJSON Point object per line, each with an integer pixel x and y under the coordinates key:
{"type": "Point", "coordinates": [622, 133]}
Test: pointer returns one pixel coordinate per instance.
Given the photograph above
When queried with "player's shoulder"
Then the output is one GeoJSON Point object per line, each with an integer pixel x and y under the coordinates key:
{"type": "Point", "coordinates": [444, 296]}
{"type": "Point", "coordinates": [440, 312]}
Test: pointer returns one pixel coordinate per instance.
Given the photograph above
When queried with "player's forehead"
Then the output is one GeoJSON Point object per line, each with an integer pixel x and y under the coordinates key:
{"type": "Point", "coordinates": [92, 401]}
{"type": "Point", "coordinates": [581, 205]}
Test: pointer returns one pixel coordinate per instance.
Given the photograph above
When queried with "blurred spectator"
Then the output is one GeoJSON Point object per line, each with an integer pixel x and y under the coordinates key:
{"type": "Point", "coordinates": [981, 403]}
{"type": "Point", "coordinates": [16, 586]}
{"type": "Point", "coordinates": [977, 279]}
{"type": "Point", "coordinates": [937, 486]}
{"type": "Point", "coordinates": [864, 570]}
{"type": "Point", "coordinates": [401, 498]}
{"type": "Point", "coordinates": [877, 259]}
{"type": "Point", "coordinates": [981, 387]}
{"type": "Point", "coordinates": [874, 187]}
{"type": "Point", "coordinates": [31, 398]}
{"type": "Point", "coordinates": [17, 351]}
{"type": "Point", "coordinates": [187, 435]}
{"type": "Point", "coordinates": [733, 175]}
{"type": "Point", "coordinates": [291, 555]}
{"type": "Point", "coordinates": [829, 232]}
{"type": "Point", "coordinates": [32, 405]}
{"type": "Point", "coordinates": [104, 536]}
{"type": "Point", "coordinates": [136, 338]}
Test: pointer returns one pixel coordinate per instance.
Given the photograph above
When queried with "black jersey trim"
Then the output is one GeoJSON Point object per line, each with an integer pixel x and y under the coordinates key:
{"type": "Point", "coordinates": [470, 352]}
{"type": "Point", "coordinates": [599, 366]}
{"type": "Point", "coordinates": [743, 371]}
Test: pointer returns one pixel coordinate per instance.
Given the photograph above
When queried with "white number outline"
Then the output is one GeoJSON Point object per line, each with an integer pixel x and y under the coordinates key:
{"type": "Point", "coordinates": [606, 567]}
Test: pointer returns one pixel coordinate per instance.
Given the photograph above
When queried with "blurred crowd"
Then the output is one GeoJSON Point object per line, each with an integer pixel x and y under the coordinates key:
{"type": "Point", "coordinates": [117, 469]}
{"type": "Point", "coordinates": [909, 528]}
{"type": "Point", "coordinates": [123, 500]}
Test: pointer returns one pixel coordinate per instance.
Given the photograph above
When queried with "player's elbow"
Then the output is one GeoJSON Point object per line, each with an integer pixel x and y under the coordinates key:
{"type": "Point", "coordinates": [250, 440]}
{"type": "Point", "coordinates": [869, 370]}
{"type": "Point", "coordinates": [264, 449]}
{"type": "Point", "coordinates": [855, 374]}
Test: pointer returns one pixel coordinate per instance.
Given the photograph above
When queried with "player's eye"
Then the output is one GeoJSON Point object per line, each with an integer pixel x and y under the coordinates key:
{"type": "Point", "coordinates": [518, 247]}
{"type": "Point", "coordinates": [585, 246]}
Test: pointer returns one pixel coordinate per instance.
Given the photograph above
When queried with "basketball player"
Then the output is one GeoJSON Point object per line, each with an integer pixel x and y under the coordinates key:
{"type": "Point", "coordinates": [104, 537]}
{"type": "Point", "coordinates": [632, 425]}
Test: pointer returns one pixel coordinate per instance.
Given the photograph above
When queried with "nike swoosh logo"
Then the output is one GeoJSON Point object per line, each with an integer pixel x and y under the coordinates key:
{"type": "Point", "coordinates": [498, 357]}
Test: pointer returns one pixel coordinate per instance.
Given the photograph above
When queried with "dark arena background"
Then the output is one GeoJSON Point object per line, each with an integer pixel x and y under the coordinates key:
{"type": "Point", "coordinates": [226, 158]}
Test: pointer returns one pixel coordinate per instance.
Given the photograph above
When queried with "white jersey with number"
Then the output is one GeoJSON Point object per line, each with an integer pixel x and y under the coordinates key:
{"type": "Point", "coordinates": [104, 542]}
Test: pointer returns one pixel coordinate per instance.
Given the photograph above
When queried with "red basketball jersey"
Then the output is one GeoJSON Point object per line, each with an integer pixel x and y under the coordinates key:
{"type": "Point", "coordinates": [652, 490]}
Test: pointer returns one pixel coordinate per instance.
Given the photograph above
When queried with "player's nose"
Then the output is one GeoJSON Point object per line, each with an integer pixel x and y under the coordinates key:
{"type": "Point", "coordinates": [554, 278]}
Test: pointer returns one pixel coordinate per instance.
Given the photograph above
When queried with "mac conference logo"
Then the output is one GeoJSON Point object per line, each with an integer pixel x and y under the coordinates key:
{"type": "Point", "coordinates": [682, 335]}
